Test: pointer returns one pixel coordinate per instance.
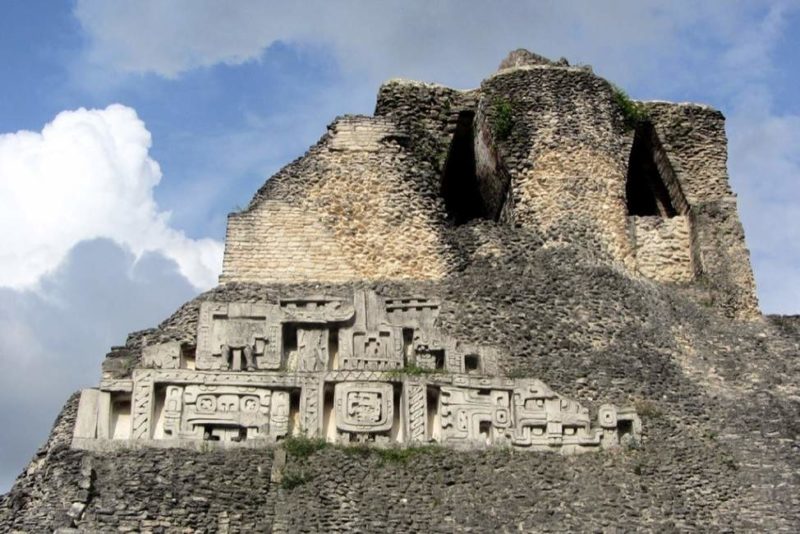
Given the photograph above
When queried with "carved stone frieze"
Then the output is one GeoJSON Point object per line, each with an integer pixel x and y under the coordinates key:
{"type": "Point", "coordinates": [237, 336]}
{"type": "Point", "coordinates": [371, 369]}
{"type": "Point", "coordinates": [316, 310]}
{"type": "Point", "coordinates": [364, 406]}
{"type": "Point", "coordinates": [162, 356]}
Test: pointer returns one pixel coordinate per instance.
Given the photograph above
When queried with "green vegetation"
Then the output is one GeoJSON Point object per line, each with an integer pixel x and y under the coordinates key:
{"type": "Point", "coordinates": [631, 443]}
{"type": "Point", "coordinates": [729, 461]}
{"type": "Point", "coordinates": [518, 373]}
{"type": "Point", "coordinates": [633, 112]}
{"type": "Point", "coordinates": [647, 408]}
{"type": "Point", "coordinates": [395, 455]}
{"type": "Point", "coordinates": [303, 446]}
{"type": "Point", "coordinates": [412, 370]}
{"type": "Point", "coordinates": [292, 479]}
{"type": "Point", "coordinates": [503, 119]}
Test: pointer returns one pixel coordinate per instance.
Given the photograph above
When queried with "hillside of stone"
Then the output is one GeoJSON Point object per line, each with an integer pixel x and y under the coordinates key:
{"type": "Point", "coordinates": [719, 403]}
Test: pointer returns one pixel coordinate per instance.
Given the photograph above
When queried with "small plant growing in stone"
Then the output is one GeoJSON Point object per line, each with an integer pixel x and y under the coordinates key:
{"type": "Point", "coordinates": [292, 479]}
{"type": "Point", "coordinates": [730, 462]}
{"type": "Point", "coordinates": [412, 370]}
{"type": "Point", "coordinates": [633, 112]}
{"type": "Point", "coordinates": [647, 408]}
{"type": "Point", "coordinates": [631, 442]}
{"type": "Point", "coordinates": [396, 455]}
{"type": "Point", "coordinates": [403, 455]}
{"type": "Point", "coordinates": [518, 373]}
{"type": "Point", "coordinates": [303, 446]}
{"type": "Point", "coordinates": [503, 120]}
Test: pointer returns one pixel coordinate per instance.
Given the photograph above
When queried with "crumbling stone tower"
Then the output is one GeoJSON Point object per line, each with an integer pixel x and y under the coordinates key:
{"type": "Point", "coordinates": [550, 149]}
{"type": "Point", "coordinates": [423, 320]}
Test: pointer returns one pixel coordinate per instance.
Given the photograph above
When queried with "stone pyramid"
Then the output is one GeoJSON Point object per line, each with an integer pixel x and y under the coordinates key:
{"type": "Point", "coordinates": [423, 323]}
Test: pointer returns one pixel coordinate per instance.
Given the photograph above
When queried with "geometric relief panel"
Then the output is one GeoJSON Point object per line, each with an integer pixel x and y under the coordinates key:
{"type": "Point", "coordinates": [364, 406]}
{"type": "Point", "coordinates": [473, 414]}
{"type": "Point", "coordinates": [237, 336]}
{"type": "Point", "coordinates": [221, 413]}
{"type": "Point", "coordinates": [370, 369]}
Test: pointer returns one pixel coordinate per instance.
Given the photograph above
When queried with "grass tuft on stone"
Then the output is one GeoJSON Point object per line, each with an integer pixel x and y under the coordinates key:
{"type": "Point", "coordinates": [647, 408]}
{"type": "Point", "coordinates": [412, 370]}
{"type": "Point", "coordinates": [303, 446]}
{"type": "Point", "coordinates": [503, 118]}
{"type": "Point", "coordinates": [293, 479]}
{"type": "Point", "coordinates": [390, 455]}
{"type": "Point", "coordinates": [633, 112]}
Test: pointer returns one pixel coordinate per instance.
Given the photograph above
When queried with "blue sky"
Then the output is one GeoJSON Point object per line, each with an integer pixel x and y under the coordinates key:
{"type": "Point", "coordinates": [130, 129]}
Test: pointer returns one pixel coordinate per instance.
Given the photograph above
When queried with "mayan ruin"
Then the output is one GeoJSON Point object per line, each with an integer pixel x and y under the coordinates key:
{"type": "Point", "coordinates": [525, 307]}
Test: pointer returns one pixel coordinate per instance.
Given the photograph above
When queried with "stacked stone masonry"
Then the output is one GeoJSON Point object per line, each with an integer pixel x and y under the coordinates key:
{"type": "Point", "coordinates": [381, 197]}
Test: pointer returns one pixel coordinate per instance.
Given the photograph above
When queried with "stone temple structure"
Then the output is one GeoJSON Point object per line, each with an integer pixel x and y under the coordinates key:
{"type": "Point", "coordinates": [422, 321]}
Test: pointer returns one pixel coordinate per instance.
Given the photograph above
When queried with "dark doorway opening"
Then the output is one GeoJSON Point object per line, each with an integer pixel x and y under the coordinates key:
{"type": "Point", "coordinates": [645, 189]}
{"type": "Point", "coordinates": [472, 363]}
{"type": "Point", "coordinates": [460, 187]}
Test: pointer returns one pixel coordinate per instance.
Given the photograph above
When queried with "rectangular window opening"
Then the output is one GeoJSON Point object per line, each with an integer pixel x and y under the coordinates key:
{"type": "Point", "coordinates": [329, 415]}
{"type": "Point", "coordinates": [188, 357]}
{"type": "Point", "coordinates": [408, 346]}
{"type": "Point", "coordinates": [333, 349]}
{"type": "Point", "coordinates": [289, 337]}
{"type": "Point", "coordinates": [120, 416]}
{"type": "Point", "coordinates": [438, 356]}
{"type": "Point", "coordinates": [472, 363]}
{"type": "Point", "coordinates": [485, 430]}
{"type": "Point", "coordinates": [294, 413]}
{"type": "Point", "coordinates": [432, 408]}
{"type": "Point", "coordinates": [396, 433]}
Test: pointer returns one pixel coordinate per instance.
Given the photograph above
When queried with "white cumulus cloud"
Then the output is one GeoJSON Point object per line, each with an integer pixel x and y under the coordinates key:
{"type": "Point", "coordinates": [87, 175]}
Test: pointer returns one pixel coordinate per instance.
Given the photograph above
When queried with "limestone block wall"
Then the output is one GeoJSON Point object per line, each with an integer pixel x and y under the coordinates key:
{"type": "Point", "coordinates": [662, 248]}
{"type": "Point", "coordinates": [719, 247]}
{"type": "Point", "coordinates": [282, 242]}
{"type": "Point", "coordinates": [694, 139]}
{"type": "Point", "coordinates": [566, 152]}
{"type": "Point", "coordinates": [359, 205]}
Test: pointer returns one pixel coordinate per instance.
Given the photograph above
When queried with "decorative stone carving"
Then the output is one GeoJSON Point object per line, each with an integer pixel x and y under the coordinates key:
{"type": "Point", "coordinates": [225, 413]}
{"type": "Point", "coordinates": [348, 371]}
{"type": "Point", "coordinates": [120, 384]}
{"type": "Point", "coordinates": [379, 349]}
{"type": "Point", "coordinates": [364, 406]}
{"type": "Point", "coordinates": [311, 406]}
{"type": "Point", "coordinates": [142, 404]}
{"type": "Point", "coordinates": [312, 350]}
{"type": "Point", "coordinates": [414, 312]}
{"type": "Point", "coordinates": [316, 310]}
{"type": "Point", "coordinates": [279, 414]}
{"type": "Point", "coordinates": [417, 411]}
{"type": "Point", "coordinates": [542, 418]}
{"type": "Point", "coordinates": [474, 415]}
{"type": "Point", "coordinates": [162, 356]}
{"type": "Point", "coordinates": [237, 336]}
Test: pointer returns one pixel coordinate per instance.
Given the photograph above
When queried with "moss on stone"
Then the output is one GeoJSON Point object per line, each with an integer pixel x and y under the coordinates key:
{"type": "Point", "coordinates": [503, 118]}
{"type": "Point", "coordinates": [303, 446]}
{"type": "Point", "coordinates": [633, 112]}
